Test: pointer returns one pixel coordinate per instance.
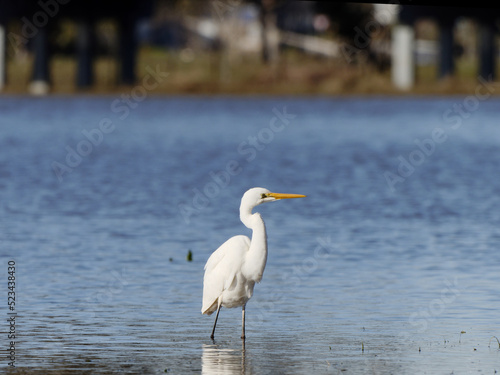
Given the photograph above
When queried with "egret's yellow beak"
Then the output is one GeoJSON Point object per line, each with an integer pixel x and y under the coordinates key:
{"type": "Point", "coordinates": [285, 196]}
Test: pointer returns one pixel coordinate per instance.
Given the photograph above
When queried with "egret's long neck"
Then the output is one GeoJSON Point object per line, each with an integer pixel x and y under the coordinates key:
{"type": "Point", "coordinates": [256, 257]}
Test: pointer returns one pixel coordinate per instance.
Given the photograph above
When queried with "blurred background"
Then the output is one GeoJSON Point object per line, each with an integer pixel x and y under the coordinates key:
{"type": "Point", "coordinates": [113, 199]}
{"type": "Point", "coordinates": [237, 46]}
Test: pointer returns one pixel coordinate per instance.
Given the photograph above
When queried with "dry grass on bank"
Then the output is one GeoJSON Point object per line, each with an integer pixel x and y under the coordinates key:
{"type": "Point", "coordinates": [211, 73]}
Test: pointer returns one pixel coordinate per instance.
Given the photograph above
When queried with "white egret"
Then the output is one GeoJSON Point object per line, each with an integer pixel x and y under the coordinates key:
{"type": "Point", "coordinates": [233, 269]}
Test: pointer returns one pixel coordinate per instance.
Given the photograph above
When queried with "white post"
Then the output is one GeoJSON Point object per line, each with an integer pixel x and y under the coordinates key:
{"type": "Point", "coordinates": [2, 56]}
{"type": "Point", "coordinates": [403, 60]}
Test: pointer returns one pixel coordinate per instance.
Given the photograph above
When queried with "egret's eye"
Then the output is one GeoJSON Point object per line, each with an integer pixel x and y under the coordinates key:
{"type": "Point", "coordinates": [263, 195]}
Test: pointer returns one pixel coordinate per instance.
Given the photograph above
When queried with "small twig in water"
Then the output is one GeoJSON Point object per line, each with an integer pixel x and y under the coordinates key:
{"type": "Point", "coordinates": [460, 337]}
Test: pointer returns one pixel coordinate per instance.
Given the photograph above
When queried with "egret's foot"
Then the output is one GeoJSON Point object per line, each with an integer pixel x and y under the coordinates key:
{"type": "Point", "coordinates": [212, 337]}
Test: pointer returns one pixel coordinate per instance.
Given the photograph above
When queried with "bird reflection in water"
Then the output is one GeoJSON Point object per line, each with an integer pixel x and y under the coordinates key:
{"type": "Point", "coordinates": [219, 360]}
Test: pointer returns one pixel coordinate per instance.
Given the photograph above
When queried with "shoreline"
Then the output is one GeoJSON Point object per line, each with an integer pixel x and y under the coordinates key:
{"type": "Point", "coordinates": [165, 73]}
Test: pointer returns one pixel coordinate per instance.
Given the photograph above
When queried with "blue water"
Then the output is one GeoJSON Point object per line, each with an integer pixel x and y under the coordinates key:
{"type": "Point", "coordinates": [390, 265]}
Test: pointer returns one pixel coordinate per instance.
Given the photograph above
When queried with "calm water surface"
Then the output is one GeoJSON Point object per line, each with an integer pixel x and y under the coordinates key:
{"type": "Point", "coordinates": [390, 265]}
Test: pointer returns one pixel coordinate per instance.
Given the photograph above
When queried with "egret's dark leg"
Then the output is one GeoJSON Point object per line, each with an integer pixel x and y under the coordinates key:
{"type": "Point", "coordinates": [216, 316]}
{"type": "Point", "coordinates": [243, 322]}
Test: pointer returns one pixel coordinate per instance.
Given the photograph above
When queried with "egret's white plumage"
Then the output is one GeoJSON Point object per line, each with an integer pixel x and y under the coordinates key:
{"type": "Point", "coordinates": [233, 269]}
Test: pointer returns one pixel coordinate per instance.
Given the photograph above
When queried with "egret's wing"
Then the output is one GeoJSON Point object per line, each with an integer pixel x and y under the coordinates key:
{"type": "Point", "coordinates": [221, 269]}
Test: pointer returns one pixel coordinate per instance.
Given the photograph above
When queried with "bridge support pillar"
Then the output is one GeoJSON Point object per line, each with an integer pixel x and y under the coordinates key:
{"type": "Point", "coordinates": [40, 82]}
{"type": "Point", "coordinates": [403, 57]}
{"type": "Point", "coordinates": [487, 51]}
{"type": "Point", "coordinates": [128, 51]}
{"type": "Point", "coordinates": [85, 49]}
{"type": "Point", "coordinates": [3, 61]}
{"type": "Point", "coordinates": [446, 63]}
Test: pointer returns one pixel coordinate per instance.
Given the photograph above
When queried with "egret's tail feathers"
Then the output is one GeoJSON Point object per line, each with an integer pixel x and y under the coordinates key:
{"type": "Point", "coordinates": [210, 310]}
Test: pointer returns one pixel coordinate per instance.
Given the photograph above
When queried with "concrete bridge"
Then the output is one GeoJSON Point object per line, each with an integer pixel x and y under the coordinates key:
{"type": "Point", "coordinates": [403, 41]}
{"type": "Point", "coordinates": [39, 17]}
